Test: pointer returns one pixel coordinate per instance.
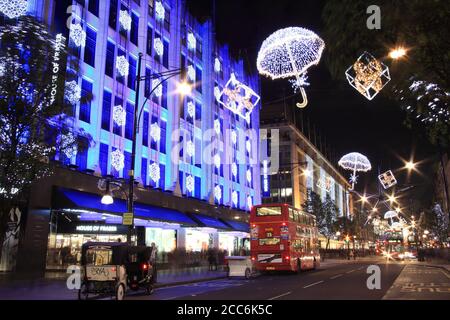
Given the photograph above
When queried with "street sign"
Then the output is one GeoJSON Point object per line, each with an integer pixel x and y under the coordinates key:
{"type": "Point", "coordinates": [387, 179]}
{"type": "Point", "coordinates": [127, 219]}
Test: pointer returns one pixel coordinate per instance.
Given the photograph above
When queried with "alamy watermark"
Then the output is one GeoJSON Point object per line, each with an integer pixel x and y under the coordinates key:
{"type": "Point", "coordinates": [374, 20]}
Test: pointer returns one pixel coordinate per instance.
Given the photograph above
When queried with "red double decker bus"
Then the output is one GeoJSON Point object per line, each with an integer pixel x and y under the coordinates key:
{"type": "Point", "coordinates": [283, 238]}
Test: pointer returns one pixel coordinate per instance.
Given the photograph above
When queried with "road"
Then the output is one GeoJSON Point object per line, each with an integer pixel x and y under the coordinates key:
{"type": "Point", "coordinates": [341, 281]}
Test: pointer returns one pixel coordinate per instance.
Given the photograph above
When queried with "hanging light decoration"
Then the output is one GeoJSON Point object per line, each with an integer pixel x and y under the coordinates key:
{"type": "Point", "coordinates": [155, 172]}
{"type": "Point", "coordinates": [160, 10]}
{"type": "Point", "coordinates": [190, 148]}
{"type": "Point", "coordinates": [249, 176]}
{"type": "Point", "coordinates": [192, 42]}
{"type": "Point", "coordinates": [77, 34]}
{"type": "Point", "coordinates": [13, 9]}
{"type": "Point", "coordinates": [217, 127]}
{"type": "Point", "coordinates": [158, 88]}
{"type": "Point", "coordinates": [234, 136]}
{"type": "Point", "coordinates": [234, 169]}
{"type": "Point", "coordinates": [217, 65]}
{"type": "Point", "coordinates": [190, 183]}
{"type": "Point", "coordinates": [191, 72]}
{"type": "Point", "coordinates": [73, 92]}
{"type": "Point", "coordinates": [125, 20]}
{"type": "Point", "coordinates": [217, 93]}
{"type": "Point", "coordinates": [191, 109]}
{"type": "Point", "coordinates": [248, 146]}
{"type": "Point", "coordinates": [155, 132]}
{"type": "Point", "coordinates": [217, 161]}
{"type": "Point", "coordinates": [234, 198]}
{"type": "Point", "coordinates": [69, 145]}
{"type": "Point", "coordinates": [122, 66]}
{"type": "Point", "coordinates": [117, 160]}
{"type": "Point", "coordinates": [119, 115]}
{"type": "Point", "coordinates": [249, 202]}
{"type": "Point", "coordinates": [218, 193]}
{"type": "Point", "coordinates": [159, 46]}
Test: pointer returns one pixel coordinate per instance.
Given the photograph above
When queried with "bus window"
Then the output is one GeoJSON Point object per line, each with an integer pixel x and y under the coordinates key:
{"type": "Point", "coordinates": [295, 215]}
{"type": "Point", "coordinates": [268, 211]}
{"type": "Point", "coordinates": [291, 214]}
{"type": "Point", "coordinates": [269, 242]}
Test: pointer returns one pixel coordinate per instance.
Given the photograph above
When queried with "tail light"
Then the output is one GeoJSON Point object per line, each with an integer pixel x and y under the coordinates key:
{"type": "Point", "coordinates": [144, 266]}
{"type": "Point", "coordinates": [113, 269]}
{"type": "Point", "coordinates": [288, 258]}
{"type": "Point", "coordinates": [253, 258]}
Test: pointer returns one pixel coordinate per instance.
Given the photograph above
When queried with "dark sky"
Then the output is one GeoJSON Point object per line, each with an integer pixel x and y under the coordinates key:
{"type": "Point", "coordinates": [347, 119]}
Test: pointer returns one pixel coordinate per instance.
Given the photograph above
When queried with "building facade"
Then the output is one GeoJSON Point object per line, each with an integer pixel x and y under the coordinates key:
{"type": "Point", "coordinates": [195, 155]}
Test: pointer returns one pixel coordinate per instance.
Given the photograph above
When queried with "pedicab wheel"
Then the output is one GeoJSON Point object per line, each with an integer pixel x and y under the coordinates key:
{"type": "Point", "coordinates": [248, 273]}
{"type": "Point", "coordinates": [150, 289]}
{"type": "Point", "coordinates": [120, 292]}
{"type": "Point", "coordinates": [83, 293]}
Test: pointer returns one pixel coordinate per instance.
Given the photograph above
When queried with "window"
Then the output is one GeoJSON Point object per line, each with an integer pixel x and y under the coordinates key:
{"type": "Point", "coordinates": [120, 78]}
{"type": "Point", "coordinates": [269, 242]}
{"type": "Point", "coordinates": [167, 19]}
{"type": "Point", "coordinates": [130, 121]}
{"type": "Point", "coordinates": [162, 143]}
{"type": "Point", "coordinates": [93, 7]}
{"type": "Point", "coordinates": [198, 114]}
{"type": "Point", "coordinates": [145, 129]}
{"type": "Point", "coordinates": [106, 110]}
{"type": "Point", "coordinates": [109, 66]}
{"type": "Point", "coordinates": [164, 96]}
{"type": "Point", "coordinates": [103, 159]}
{"type": "Point", "coordinates": [198, 187]}
{"type": "Point", "coordinates": [85, 107]}
{"type": "Point", "coordinates": [134, 28]}
{"type": "Point", "coordinates": [198, 79]}
{"type": "Point", "coordinates": [89, 49]}
{"type": "Point", "coordinates": [127, 164]}
{"type": "Point", "coordinates": [151, 8]}
{"type": "Point", "coordinates": [144, 163]}
{"type": "Point", "coordinates": [122, 31]}
{"type": "Point", "coordinates": [113, 14]}
{"type": "Point", "coordinates": [166, 54]}
{"type": "Point", "coordinates": [268, 211]}
{"type": "Point", "coordinates": [116, 128]}
{"type": "Point", "coordinates": [82, 155]}
{"type": "Point", "coordinates": [132, 73]}
{"type": "Point", "coordinates": [162, 174]}
{"type": "Point", "coordinates": [149, 40]}
{"type": "Point", "coordinates": [148, 83]}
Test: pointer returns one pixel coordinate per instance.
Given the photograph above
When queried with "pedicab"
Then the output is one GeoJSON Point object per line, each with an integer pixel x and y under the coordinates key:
{"type": "Point", "coordinates": [112, 268]}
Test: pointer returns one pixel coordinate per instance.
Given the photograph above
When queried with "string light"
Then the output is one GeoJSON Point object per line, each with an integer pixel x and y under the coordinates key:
{"type": "Point", "coordinates": [159, 46]}
{"type": "Point", "coordinates": [73, 92]}
{"type": "Point", "coordinates": [77, 34]}
{"type": "Point", "coordinates": [117, 160]}
{"type": "Point", "coordinates": [122, 66]}
{"type": "Point", "coordinates": [192, 42]}
{"type": "Point", "coordinates": [155, 172]}
{"type": "Point", "coordinates": [190, 183]}
{"type": "Point", "coordinates": [218, 193]}
{"type": "Point", "coordinates": [160, 10]}
{"type": "Point", "coordinates": [234, 198]}
{"type": "Point", "coordinates": [125, 20]}
{"type": "Point", "coordinates": [155, 132]}
{"type": "Point", "coordinates": [191, 109]}
{"type": "Point", "coordinates": [13, 9]}
{"type": "Point", "coordinates": [157, 88]}
{"type": "Point", "coordinates": [217, 65]}
{"type": "Point", "coordinates": [119, 115]}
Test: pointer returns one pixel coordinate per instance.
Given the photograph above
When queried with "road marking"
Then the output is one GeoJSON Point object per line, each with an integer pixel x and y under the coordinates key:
{"type": "Point", "coordinates": [350, 271]}
{"type": "Point", "coordinates": [445, 273]}
{"type": "Point", "coordinates": [281, 295]}
{"type": "Point", "coordinates": [335, 277]}
{"type": "Point", "coordinates": [361, 268]}
{"type": "Point", "coordinates": [312, 284]}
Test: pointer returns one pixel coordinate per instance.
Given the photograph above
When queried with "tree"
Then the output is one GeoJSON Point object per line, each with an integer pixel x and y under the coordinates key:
{"type": "Point", "coordinates": [419, 82]}
{"type": "Point", "coordinates": [36, 107]}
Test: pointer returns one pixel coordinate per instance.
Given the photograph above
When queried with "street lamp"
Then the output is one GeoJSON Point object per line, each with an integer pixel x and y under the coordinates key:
{"type": "Point", "coordinates": [107, 199]}
{"type": "Point", "coordinates": [410, 166]}
{"type": "Point", "coordinates": [397, 53]}
{"type": "Point", "coordinates": [184, 88]}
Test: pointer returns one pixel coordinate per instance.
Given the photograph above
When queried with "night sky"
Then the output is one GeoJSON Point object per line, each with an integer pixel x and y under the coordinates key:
{"type": "Point", "coordinates": [347, 120]}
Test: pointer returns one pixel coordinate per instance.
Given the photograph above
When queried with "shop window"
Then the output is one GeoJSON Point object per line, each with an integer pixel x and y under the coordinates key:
{"type": "Point", "coordinates": [162, 143]}
{"type": "Point", "coordinates": [116, 128]}
{"type": "Point", "coordinates": [149, 40]}
{"type": "Point", "coordinates": [166, 54]}
{"type": "Point", "coordinates": [198, 79]}
{"type": "Point", "coordinates": [127, 164]}
{"type": "Point", "coordinates": [198, 187]}
{"type": "Point", "coordinates": [148, 83]}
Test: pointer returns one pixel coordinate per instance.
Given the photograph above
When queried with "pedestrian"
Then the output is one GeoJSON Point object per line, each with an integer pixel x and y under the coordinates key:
{"type": "Point", "coordinates": [210, 259]}
{"type": "Point", "coordinates": [153, 258]}
{"type": "Point", "coordinates": [354, 254]}
{"type": "Point", "coordinates": [351, 254]}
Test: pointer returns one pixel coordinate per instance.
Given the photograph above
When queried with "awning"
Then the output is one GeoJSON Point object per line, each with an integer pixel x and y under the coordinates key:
{"type": "Point", "coordinates": [238, 226]}
{"type": "Point", "coordinates": [211, 222]}
{"type": "Point", "coordinates": [72, 199]}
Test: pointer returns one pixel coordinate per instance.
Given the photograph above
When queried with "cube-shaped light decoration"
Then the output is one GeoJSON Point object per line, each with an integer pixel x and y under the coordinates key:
{"type": "Point", "coordinates": [387, 179]}
{"type": "Point", "coordinates": [368, 75]}
{"type": "Point", "coordinates": [238, 98]}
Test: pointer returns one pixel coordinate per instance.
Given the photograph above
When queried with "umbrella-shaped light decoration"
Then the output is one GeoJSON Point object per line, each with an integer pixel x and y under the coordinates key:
{"type": "Point", "coordinates": [390, 215]}
{"type": "Point", "coordinates": [355, 162]}
{"type": "Point", "coordinates": [288, 53]}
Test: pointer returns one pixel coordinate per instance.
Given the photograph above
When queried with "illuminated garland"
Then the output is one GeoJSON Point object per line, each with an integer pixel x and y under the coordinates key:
{"type": "Point", "coordinates": [190, 183]}
{"type": "Point", "coordinates": [249, 176]}
{"type": "Point", "coordinates": [119, 115]}
{"type": "Point", "coordinates": [69, 145]}
{"type": "Point", "coordinates": [73, 92]}
{"type": "Point", "coordinates": [125, 20]}
{"type": "Point", "coordinates": [122, 66]}
{"type": "Point", "coordinates": [117, 160]}
{"type": "Point", "coordinates": [234, 169]}
{"type": "Point", "coordinates": [13, 9]}
{"type": "Point", "coordinates": [77, 34]}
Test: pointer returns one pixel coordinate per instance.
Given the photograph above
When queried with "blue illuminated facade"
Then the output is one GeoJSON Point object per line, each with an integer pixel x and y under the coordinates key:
{"type": "Point", "coordinates": [179, 119]}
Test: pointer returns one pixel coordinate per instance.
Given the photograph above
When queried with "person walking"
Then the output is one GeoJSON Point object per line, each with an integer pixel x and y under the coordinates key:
{"type": "Point", "coordinates": [153, 258]}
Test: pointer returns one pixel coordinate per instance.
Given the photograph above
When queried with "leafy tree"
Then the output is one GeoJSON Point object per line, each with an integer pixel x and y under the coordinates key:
{"type": "Point", "coordinates": [36, 123]}
{"type": "Point", "coordinates": [419, 81]}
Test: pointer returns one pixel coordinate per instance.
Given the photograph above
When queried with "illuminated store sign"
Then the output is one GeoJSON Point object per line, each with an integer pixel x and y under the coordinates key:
{"type": "Point", "coordinates": [59, 46]}
{"type": "Point", "coordinates": [94, 228]}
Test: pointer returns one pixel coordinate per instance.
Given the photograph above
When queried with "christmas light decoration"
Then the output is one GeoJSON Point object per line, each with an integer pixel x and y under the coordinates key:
{"type": "Point", "coordinates": [217, 126]}
{"type": "Point", "coordinates": [265, 176]}
{"type": "Point", "coordinates": [217, 161]}
{"type": "Point", "coordinates": [234, 198]}
{"type": "Point", "coordinates": [190, 183]}
{"type": "Point", "coordinates": [234, 136]}
{"type": "Point", "coordinates": [289, 53]}
{"type": "Point", "coordinates": [59, 46]}
{"type": "Point", "coordinates": [125, 20]}
{"type": "Point", "coordinates": [218, 193]}
{"type": "Point", "coordinates": [119, 115]}
{"type": "Point", "coordinates": [217, 65]}
{"type": "Point", "coordinates": [73, 92]}
{"type": "Point", "coordinates": [234, 169]}
{"type": "Point", "coordinates": [190, 148]}
{"type": "Point", "coordinates": [191, 73]}
{"type": "Point", "coordinates": [249, 176]}
{"type": "Point", "coordinates": [387, 179]}
{"type": "Point", "coordinates": [155, 172]}
{"type": "Point", "coordinates": [249, 202]}
{"type": "Point", "coordinates": [159, 46]}
{"type": "Point", "coordinates": [157, 87]}
{"type": "Point", "coordinates": [69, 145]}
{"type": "Point", "coordinates": [155, 132]}
{"type": "Point", "coordinates": [191, 109]}
{"type": "Point", "coordinates": [237, 97]}
{"type": "Point", "coordinates": [368, 75]}
{"type": "Point", "coordinates": [160, 10]}
{"type": "Point", "coordinates": [217, 93]}
{"type": "Point", "coordinates": [191, 41]}
{"type": "Point", "coordinates": [298, 84]}
{"type": "Point", "coordinates": [77, 34]}
{"type": "Point", "coordinates": [248, 146]}
{"type": "Point", "coordinates": [2, 69]}
{"type": "Point", "coordinates": [122, 66]}
{"type": "Point", "coordinates": [355, 162]}
{"type": "Point", "coordinates": [13, 9]}
{"type": "Point", "coordinates": [117, 160]}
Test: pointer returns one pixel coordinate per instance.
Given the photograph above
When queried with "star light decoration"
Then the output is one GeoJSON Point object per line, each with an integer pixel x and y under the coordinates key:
{"type": "Point", "coordinates": [289, 53]}
{"type": "Point", "coordinates": [159, 46]}
{"type": "Point", "coordinates": [191, 109]}
{"type": "Point", "coordinates": [368, 75]}
{"type": "Point", "coordinates": [218, 193]}
{"type": "Point", "coordinates": [157, 88]}
{"type": "Point", "coordinates": [73, 92]}
{"type": "Point", "coordinates": [155, 132]}
{"type": "Point", "coordinates": [190, 148]}
{"type": "Point", "coordinates": [117, 160]}
{"type": "Point", "coordinates": [237, 97]}
{"type": "Point", "coordinates": [191, 73]}
{"type": "Point", "coordinates": [125, 20]}
{"type": "Point", "coordinates": [191, 41]}
{"type": "Point", "coordinates": [217, 65]}
{"type": "Point", "coordinates": [155, 172]}
{"type": "Point", "coordinates": [190, 183]}
{"type": "Point", "coordinates": [77, 34]}
{"type": "Point", "coordinates": [234, 198]}
{"type": "Point", "coordinates": [119, 115]}
{"type": "Point", "coordinates": [13, 9]}
{"type": "Point", "coordinates": [160, 10]}
{"type": "Point", "coordinates": [234, 169]}
{"type": "Point", "coordinates": [122, 66]}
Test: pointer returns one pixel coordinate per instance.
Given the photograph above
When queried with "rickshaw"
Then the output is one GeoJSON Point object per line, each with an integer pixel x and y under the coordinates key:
{"type": "Point", "coordinates": [112, 268]}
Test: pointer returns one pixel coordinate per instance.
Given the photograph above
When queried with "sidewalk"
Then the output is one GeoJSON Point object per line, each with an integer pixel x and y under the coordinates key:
{"type": "Point", "coordinates": [436, 263]}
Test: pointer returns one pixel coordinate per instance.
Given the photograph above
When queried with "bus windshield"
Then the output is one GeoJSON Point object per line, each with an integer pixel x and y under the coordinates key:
{"type": "Point", "coordinates": [268, 211]}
